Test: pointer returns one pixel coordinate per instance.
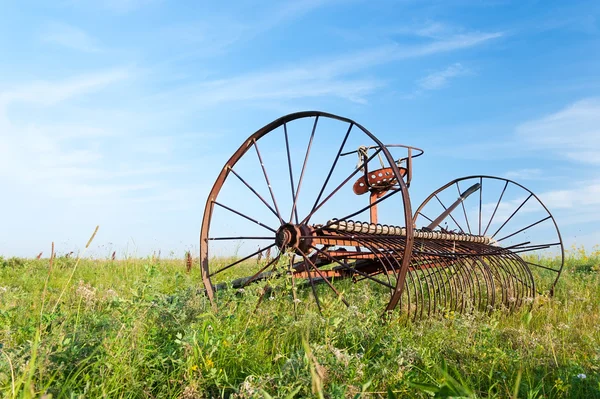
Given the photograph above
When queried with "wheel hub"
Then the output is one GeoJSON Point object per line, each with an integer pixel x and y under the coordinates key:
{"type": "Point", "coordinates": [290, 236]}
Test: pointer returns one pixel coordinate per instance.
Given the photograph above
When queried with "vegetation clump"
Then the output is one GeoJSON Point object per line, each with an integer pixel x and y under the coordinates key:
{"type": "Point", "coordinates": [143, 328]}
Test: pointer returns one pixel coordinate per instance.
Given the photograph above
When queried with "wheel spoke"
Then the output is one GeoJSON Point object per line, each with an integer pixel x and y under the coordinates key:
{"type": "Point", "coordinates": [425, 216]}
{"type": "Point", "coordinates": [362, 210]}
{"type": "Point", "coordinates": [496, 208]}
{"type": "Point", "coordinates": [245, 216]}
{"type": "Point", "coordinates": [262, 269]}
{"type": "Point", "coordinates": [262, 165]}
{"type": "Point", "coordinates": [289, 158]}
{"type": "Point", "coordinates": [240, 260]}
{"type": "Point", "coordinates": [450, 214]}
{"type": "Point", "coordinates": [511, 216]}
{"type": "Point", "coordinates": [239, 238]}
{"type": "Point", "coordinates": [524, 228]}
{"type": "Point", "coordinates": [255, 192]}
{"type": "Point", "coordinates": [543, 267]}
{"type": "Point", "coordinates": [337, 157]}
{"type": "Point", "coordinates": [462, 203]}
{"type": "Point", "coordinates": [316, 269]}
{"type": "Point", "coordinates": [312, 135]}
{"type": "Point", "coordinates": [307, 218]}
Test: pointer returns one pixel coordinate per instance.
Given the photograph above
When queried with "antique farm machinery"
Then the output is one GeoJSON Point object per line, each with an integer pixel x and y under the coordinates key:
{"type": "Point", "coordinates": [318, 200]}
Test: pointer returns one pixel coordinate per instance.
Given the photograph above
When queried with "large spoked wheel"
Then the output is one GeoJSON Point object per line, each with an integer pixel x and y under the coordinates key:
{"type": "Point", "coordinates": [512, 217]}
{"type": "Point", "coordinates": [267, 213]}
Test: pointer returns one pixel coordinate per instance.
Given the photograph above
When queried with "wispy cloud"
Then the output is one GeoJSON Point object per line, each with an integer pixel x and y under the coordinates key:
{"type": "Point", "coordinates": [68, 160]}
{"type": "Point", "coordinates": [525, 174]}
{"type": "Point", "coordinates": [572, 133]}
{"type": "Point", "coordinates": [439, 79]}
{"type": "Point", "coordinates": [48, 93]}
{"type": "Point", "coordinates": [69, 36]}
{"type": "Point", "coordinates": [322, 77]}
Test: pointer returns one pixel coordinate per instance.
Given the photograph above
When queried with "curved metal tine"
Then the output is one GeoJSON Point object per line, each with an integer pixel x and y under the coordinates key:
{"type": "Point", "coordinates": [511, 216]}
{"type": "Point", "coordinates": [511, 280]}
{"type": "Point", "coordinates": [337, 157]}
{"type": "Point", "coordinates": [496, 208]}
{"type": "Point", "coordinates": [383, 258]}
{"type": "Point", "coordinates": [462, 203]}
{"type": "Point", "coordinates": [500, 277]}
{"type": "Point", "coordinates": [490, 285]}
{"type": "Point", "coordinates": [432, 275]}
{"type": "Point", "coordinates": [346, 180]}
{"type": "Point", "coordinates": [310, 141]}
{"type": "Point", "coordinates": [525, 275]}
{"type": "Point", "coordinates": [255, 192]}
{"type": "Point", "coordinates": [525, 228]}
{"type": "Point", "coordinates": [519, 276]}
{"type": "Point", "coordinates": [289, 158]}
{"type": "Point", "coordinates": [346, 267]}
{"type": "Point", "coordinates": [340, 296]}
{"type": "Point", "coordinates": [262, 165]}
{"type": "Point", "coordinates": [445, 265]}
{"type": "Point", "coordinates": [240, 260]}
{"type": "Point", "coordinates": [245, 216]}
{"type": "Point", "coordinates": [422, 275]}
{"type": "Point", "coordinates": [361, 210]}
{"type": "Point", "coordinates": [450, 214]}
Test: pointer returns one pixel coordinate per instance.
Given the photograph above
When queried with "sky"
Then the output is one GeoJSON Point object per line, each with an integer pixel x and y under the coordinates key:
{"type": "Point", "coordinates": [121, 113]}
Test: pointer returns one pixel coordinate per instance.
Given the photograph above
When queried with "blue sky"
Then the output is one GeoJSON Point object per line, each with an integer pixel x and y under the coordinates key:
{"type": "Point", "coordinates": [121, 113]}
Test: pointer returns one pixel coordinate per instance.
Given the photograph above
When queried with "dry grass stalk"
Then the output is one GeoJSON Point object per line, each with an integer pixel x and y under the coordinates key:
{"type": "Point", "coordinates": [188, 261]}
{"type": "Point", "coordinates": [39, 255]}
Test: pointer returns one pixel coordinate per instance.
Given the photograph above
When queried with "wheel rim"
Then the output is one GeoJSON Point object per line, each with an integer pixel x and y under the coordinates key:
{"type": "Point", "coordinates": [509, 213]}
{"type": "Point", "coordinates": [294, 178]}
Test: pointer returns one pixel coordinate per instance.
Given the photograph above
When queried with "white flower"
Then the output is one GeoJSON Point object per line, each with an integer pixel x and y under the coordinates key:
{"type": "Point", "coordinates": [241, 290]}
{"type": "Point", "coordinates": [271, 298]}
{"type": "Point", "coordinates": [581, 376]}
{"type": "Point", "coordinates": [297, 300]}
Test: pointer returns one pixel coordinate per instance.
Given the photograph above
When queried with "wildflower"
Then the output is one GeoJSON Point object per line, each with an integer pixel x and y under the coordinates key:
{"type": "Point", "coordinates": [581, 376]}
{"type": "Point", "coordinates": [241, 290]}
{"type": "Point", "coordinates": [86, 292]}
{"type": "Point", "coordinates": [3, 289]}
{"type": "Point", "coordinates": [271, 298]}
{"type": "Point", "coordinates": [297, 300]}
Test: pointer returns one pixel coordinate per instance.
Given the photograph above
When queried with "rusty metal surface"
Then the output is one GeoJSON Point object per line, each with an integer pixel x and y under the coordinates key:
{"type": "Point", "coordinates": [429, 270]}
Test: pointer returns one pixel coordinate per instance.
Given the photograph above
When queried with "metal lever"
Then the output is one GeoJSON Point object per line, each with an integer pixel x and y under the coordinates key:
{"type": "Point", "coordinates": [452, 207]}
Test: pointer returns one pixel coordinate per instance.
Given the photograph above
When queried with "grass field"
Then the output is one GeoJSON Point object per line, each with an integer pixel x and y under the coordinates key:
{"type": "Point", "coordinates": [141, 328]}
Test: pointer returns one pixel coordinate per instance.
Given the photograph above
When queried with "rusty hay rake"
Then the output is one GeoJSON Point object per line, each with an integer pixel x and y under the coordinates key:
{"type": "Point", "coordinates": [305, 197]}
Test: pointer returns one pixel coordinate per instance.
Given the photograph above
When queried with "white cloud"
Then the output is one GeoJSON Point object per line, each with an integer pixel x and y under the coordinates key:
{"type": "Point", "coordinates": [324, 77]}
{"type": "Point", "coordinates": [49, 93]}
{"type": "Point", "coordinates": [439, 79]}
{"type": "Point", "coordinates": [525, 174]}
{"type": "Point", "coordinates": [573, 132]}
{"type": "Point", "coordinates": [69, 36]}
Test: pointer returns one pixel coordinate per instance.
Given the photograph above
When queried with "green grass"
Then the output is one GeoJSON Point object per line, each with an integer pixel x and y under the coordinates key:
{"type": "Point", "coordinates": [140, 328]}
